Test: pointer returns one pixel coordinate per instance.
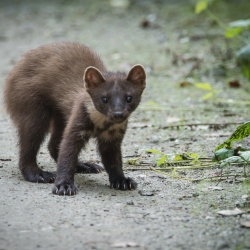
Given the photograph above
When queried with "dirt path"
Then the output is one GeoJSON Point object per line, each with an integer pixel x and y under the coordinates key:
{"type": "Point", "coordinates": [164, 213]}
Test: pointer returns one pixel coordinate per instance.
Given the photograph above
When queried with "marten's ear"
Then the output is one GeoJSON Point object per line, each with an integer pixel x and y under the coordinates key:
{"type": "Point", "coordinates": [137, 75]}
{"type": "Point", "coordinates": [92, 77]}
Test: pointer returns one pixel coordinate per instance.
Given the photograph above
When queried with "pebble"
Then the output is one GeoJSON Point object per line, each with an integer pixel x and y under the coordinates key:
{"type": "Point", "coordinates": [155, 139]}
{"type": "Point", "coordinates": [131, 203]}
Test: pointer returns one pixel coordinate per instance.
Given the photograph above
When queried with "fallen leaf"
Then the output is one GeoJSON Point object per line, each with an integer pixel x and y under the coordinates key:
{"type": "Point", "coordinates": [233, 212]}
{"type": "Point", "coordinates": [234, 84]}
{"type": "Point", "coordinates": [217, 173]}
{"type": "Point", "coordinates": [185, 84]}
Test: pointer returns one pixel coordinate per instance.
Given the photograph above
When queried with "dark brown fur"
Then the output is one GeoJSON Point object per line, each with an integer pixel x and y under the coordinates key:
{"type": "Point", "coordinates": [59, 88]}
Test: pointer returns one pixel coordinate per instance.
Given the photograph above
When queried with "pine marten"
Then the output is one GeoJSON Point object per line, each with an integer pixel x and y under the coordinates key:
{"type": "Point", "coordinates": [64, 89]}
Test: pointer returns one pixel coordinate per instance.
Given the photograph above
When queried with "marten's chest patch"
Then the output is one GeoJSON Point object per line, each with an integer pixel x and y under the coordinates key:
{"type": "Point", "coordinates": [113, 131]}
{"type": "Point", "coordinates": [103, 128]}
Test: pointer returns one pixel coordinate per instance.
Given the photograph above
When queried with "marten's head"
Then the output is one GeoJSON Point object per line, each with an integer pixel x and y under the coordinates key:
{"type": "Point", "coordinates": [115, 95]}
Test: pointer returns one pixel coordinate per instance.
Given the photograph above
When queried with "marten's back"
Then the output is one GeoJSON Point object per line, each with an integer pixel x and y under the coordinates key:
{"type": "Point", "coordinates": [51, 75]}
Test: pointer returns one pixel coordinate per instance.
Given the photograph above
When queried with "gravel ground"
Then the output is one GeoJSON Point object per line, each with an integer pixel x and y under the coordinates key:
{"type": "Point", "coordinates": [163, 213]}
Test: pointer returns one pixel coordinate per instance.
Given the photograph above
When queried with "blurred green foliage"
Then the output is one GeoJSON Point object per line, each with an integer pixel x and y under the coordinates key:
{"type": "Point", "coordinates": [233, 29]}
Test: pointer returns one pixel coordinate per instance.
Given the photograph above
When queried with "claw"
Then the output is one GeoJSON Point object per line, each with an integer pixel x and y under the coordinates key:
{"type": "Point", "coordinates": [64, 193]}
{"type": "Point", "coordinates": [124, 186]}
{"type": "Point", "coordinates": [130, 186]}
{"type": "Point", "coordinates": [118, 186]}
{"type": "Point", "coordinates": [70, 192]}
{"type": "Point", "coordinates": [57, 190]}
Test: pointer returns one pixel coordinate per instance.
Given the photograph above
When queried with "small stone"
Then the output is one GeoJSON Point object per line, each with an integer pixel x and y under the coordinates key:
{"type": "Point", "coordinates": [196, 194]}
{"type": "Point", "coordinates": [245, 197]}
{"type": "Point", "coordinates": [146, 193]}
{"type": "Point", "coordinates": [131, 203]}
{"type": "Point", "coordinates": [154, 139]}
{"type": "Point", "coordinates": [142, 176]}
{"type": "Point", "coordinates": [237, 203]}
{"type": "Point", "coordinates": [209, 218]}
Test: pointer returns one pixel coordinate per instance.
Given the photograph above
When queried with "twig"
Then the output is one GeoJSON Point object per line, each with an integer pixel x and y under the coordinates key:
{"type": "Point", "coordinates": [131, 156]}
{"type": "Point", "coordinates": [211, 125]}
{"type": "Point", "coordinates": [222, 110]}
{"type": "Point", "coordinates": [215, 178]}
{"type": "Point", "coordinates": [171, 168]}
{"type": "Point", "coordinates": [172, 176]}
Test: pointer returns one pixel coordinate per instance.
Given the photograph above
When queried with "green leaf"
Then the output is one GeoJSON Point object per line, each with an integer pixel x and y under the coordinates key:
{"type": "Point", "coordinates": [204, 86]}
{"type": "Point", "coordinates": [194, 156]}
{"type": "Point", "coordinates": [223, 154]}
{"type": "Point", "coordinates": [200, 6]}
{"type": "Point", "coordinates": [133, 161]}
{"type": "Point", "coordinates": [178, 157]}
{"type": "Point", "coordinates": [174, 172]}
{"type": "Point", "coordinates": [245, 155]}
{"type": "Point", "coordinates": [153, 104]}
{"type": "Point", "coordinates": [246, 71]}
{"type": "Point", "coordinates": [240, 23]}
{"type": "Point", "coordinates": [240, 133]}
{"type": "Point", "coordinates": [231, 32]}
{"type": "Point", "coordinates": [154, 151]}
{"type": "Point", "coordinates": [208, 96]}
{"type": "Point", "coordinates": [161, 161]}
{"type": "Point", "coordinates": [232, 159]}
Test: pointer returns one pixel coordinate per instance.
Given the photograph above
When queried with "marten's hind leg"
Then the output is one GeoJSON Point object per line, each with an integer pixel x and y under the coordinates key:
{"type": "Point", "coordinates": [32, 129]}
{"type": "Point", "coordinates": [57, 128]}
{"type": "Point", "coordinates": [88, 168]}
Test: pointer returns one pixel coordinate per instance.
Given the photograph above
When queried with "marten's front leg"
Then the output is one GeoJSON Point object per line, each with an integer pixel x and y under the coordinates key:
{"type": "Point", "coordinates": [70, 147]}
{"type": "Point", "coordinates": [110, 152]}
{"type": "Point", "coordinates": [75, 136]}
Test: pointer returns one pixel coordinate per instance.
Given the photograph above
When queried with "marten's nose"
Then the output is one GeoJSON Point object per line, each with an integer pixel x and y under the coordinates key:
{"type": "Point", "coordinates": [118, 115]}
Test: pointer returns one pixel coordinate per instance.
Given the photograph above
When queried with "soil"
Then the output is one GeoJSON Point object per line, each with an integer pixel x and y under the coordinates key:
{"type": "Point", "coordinates": [177, 48]}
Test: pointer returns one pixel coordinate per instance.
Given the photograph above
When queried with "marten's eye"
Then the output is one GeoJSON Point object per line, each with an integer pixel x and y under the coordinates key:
{"type": "Point", "coordinates": [104, 100]}
{"type": "Point", "coordinates": [129, 99]}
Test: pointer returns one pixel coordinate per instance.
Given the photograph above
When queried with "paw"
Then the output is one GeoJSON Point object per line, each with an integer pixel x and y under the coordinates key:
{"type": "Point", "coordinates": [40, 177]}
{"type": "Point", "coordinates": [64, 189]}
{"type": "Point", "coordinates": [123, 183]}
{"type": "Point", "coordinates": [88, 167]}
